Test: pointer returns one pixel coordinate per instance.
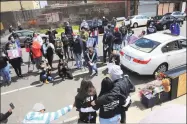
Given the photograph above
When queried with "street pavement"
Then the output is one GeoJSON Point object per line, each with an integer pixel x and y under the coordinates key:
{"type": "Point", "coordinates": [24, 93]}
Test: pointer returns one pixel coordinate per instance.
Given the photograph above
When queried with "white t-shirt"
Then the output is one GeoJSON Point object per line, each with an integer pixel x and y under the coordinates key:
{"type": "Point", "coordinates": [39, 39]}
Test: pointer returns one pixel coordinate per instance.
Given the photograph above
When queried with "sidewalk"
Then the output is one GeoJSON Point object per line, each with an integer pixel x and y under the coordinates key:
{"type": "Point", "coordinates": [136, 111]}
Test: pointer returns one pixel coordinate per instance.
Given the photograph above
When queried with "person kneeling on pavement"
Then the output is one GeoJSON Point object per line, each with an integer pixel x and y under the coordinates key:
{"type": "Point", "coordinates": [38, 115]}
{"type": "Point", "coordinates": [122, 89]}
{"type": "Point", "coordinates": [115, 58]}
{"type": "Point", "coordinates": [63, 70]}
{"type": "Point", "coordinates": [91, 60]}
{"type": "Point", "coordinates": [45, 75]}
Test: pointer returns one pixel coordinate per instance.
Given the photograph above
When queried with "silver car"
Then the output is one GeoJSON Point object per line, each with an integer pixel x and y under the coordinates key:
{"type": "Point", "coordinates": [179, 14]}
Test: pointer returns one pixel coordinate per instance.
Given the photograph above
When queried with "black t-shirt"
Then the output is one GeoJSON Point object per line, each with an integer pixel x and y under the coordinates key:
{"type": "Point", "coordinates": [85, 102]}
{"type": "Point", "coordinates": [3, 62]}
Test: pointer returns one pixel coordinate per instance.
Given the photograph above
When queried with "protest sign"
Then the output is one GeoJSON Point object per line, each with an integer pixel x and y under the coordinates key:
{"type": "Point", "coordinates": [15, 53]}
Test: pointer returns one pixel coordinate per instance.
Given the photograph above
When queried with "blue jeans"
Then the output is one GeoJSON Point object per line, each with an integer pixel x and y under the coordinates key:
{"type": "Point", "coordinates": [114, 120]}
{"type": "Point", "coordinates": [78, 60]}
{"type": "Point", "coordinates": [45, 77]}
{"type": "Point", "coordinates": [4, 72]}
{"type": "Point", "coordinates": [96, 39]}
{"type": "Point", "coordinates": [117, 47]}
{"type": "Point", "coordinates": [93, 67]}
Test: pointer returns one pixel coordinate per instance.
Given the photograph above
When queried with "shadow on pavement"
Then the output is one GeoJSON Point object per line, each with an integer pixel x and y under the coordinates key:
{"type": "Point", "coordinates": [138, 104]}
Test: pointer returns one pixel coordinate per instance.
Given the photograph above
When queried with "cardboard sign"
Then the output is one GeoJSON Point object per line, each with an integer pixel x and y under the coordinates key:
{"type": "Point", "coordinates": [16, 53]}
{"type": "Point", "coordinates": [90, 42]}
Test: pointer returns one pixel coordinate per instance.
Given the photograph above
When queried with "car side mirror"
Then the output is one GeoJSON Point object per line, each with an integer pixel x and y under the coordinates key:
{"type": "Point", "coordinates": [164, 50]}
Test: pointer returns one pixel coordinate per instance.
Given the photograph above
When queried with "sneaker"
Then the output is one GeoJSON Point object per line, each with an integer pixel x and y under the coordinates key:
{"type": "Point", "coordinates": [46, 82]}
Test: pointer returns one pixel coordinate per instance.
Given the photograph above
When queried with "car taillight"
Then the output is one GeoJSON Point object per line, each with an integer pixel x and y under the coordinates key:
{"type": "Point", "coordinates": [141, 61]}
{"type": "Point", "coordinates": [121, 53]}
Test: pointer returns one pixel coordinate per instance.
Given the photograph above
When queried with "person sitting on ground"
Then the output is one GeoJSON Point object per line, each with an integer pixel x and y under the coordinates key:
{"type": "Point", "coordinates": [63, 70]}
{"type": "Point", "coordinates": [38, 115]}
{"type": "Point", "coordinates": [86, 94]}
{"type": "Point", "coordinates": [45, 74]}
{"type": "Point", "coordinates": [91, 61]}
{"type": "Point", "coordinates": [4, 117]}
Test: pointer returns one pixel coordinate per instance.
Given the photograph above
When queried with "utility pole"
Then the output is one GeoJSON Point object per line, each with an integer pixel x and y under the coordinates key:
{"type": "Point", "coordinates": [22, 9]}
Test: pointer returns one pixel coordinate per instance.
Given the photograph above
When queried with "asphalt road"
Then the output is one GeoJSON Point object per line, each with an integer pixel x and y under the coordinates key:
{"type": "Point", "coordinates": [24, 93]}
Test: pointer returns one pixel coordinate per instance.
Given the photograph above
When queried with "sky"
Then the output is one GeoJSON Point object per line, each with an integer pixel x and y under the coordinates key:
{"type": "Point", "coordinates": [43, 3]}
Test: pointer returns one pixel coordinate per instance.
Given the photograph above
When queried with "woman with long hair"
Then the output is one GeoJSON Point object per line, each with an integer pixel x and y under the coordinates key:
{"type": "Point", "coordinates": [108, 113]}
{"type": "Point", "coordinates": [86, 94]}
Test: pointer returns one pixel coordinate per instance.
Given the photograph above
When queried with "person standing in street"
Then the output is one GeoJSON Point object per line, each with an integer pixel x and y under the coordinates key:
{"type": "Point", "coordinates": [36, 54]}
{"type": "Point", "coordinates": [59, 48]}
{"type": "Point", "coordinates": [77, 50]}
{"type": "Point", "coordinates": [38, 38]}
{"type": "Point", "coordinates": [107, 44]}
{"type": "Point", "coordinates": [175, 28]}
{"type": "Point", "coordinates": [50, 53]}
{"type": "Point", "coordinates": [4, 68]}
{"type": "Point", "coordinates": [104, 23]}
{"type": "Point", "coordinates": [68, 33]}
{"type": "Point", "coordinates": [86, 94]}
{"type": "Point", "coordinates": [84, 37]}
{"type": "Point", "coordinates": [38, 114]}
{"type": "Point", "coordinates": [91, 60]}
{"type": "Point", "coordinates": [84, 24]}
{"type": "Point", "coordinates": [117, 42]}
{"type": "Point", "coordinates": [15, 61]}
{"type": "Point", "coordinates": [51, 33]}
{"type": "Point", "coordinates": [121, 90]}
{"type": "Point", "coordinates": [11, 29]}
{"type": "Point", "coordinates": [123, 30]}
{"type": "Point", "coordinates": [65, 42]}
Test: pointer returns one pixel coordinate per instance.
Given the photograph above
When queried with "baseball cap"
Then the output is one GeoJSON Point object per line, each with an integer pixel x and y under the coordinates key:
{"type": "Point", "coordinates": [38, 107]}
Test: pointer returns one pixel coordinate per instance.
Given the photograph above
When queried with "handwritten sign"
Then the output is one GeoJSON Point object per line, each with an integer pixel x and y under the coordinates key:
{"type": "Point", "coordinates": [14, 53]}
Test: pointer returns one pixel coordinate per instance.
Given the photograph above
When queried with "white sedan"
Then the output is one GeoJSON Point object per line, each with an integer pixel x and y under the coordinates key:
{"type": "Point", "coordinates": [138, 20]}
{"type": "Point", "coordinates": [153, 53]}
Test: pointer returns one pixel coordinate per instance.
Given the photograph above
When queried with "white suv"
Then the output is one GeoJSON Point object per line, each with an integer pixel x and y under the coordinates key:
{"type": "Point", "coordinates": [156, 52]}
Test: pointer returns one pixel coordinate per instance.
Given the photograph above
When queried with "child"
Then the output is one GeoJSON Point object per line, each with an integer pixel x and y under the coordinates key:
{"type": "Point", "coordinates": [45, 75]}
{"type": "Point", "coordinates": [63, 70]}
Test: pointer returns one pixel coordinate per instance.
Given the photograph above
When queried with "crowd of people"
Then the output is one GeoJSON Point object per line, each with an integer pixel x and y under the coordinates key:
{"type": "Point", "coordinates": [114, 98]}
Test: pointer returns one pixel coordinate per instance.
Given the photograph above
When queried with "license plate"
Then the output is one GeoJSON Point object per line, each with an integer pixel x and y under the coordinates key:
{"type": "Point", "coordinates": [127, 57]}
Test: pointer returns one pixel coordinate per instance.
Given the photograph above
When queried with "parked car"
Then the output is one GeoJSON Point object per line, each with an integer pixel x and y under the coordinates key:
{"type": "Point", "coordinates": [165, 21]}
{"type": "Point", "coordinates": [138, 20]}
{"type": "Point", "coordinates": [178, 14]}
{"type": "Point", "coordinates": [95, 23]}
{"type": "Point", "coordinates": [153, 53]}
{"type": "Point", "coordinates": [23, 35]}
{"type": "Point", "coordinates": [119, 21]}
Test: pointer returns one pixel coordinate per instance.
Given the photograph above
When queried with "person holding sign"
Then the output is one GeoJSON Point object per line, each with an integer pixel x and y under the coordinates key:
{"type": "Point", "coordinates": [14, 55]}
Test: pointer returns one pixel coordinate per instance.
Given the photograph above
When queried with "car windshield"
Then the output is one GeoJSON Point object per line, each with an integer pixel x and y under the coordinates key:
{"type": "Point", "coordinates": [145, 45]}
{"type": "Point", "coordinates": [157, 17]}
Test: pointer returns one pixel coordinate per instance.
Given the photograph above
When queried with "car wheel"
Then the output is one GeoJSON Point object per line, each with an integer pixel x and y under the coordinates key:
{"type": "Point", "coordinates": [161, 68]}
{"type": "Point", "coordinates": [164, 27]}
{"type": "Point", "coordinates": [135, 25]}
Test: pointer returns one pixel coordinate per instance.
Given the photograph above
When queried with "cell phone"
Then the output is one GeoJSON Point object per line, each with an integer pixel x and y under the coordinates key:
{"type": "Point", "coordinates": [12, 106]}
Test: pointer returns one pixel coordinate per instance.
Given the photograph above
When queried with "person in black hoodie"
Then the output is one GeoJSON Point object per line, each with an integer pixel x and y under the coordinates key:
{"type": "Point", "coordinates": [86, 94]}
{"type": "Point", "coordinates": [122, 89]}
{"type": "Point", "coordinates": [117, 42]}
{"type": "Point", "coordinates": [108, 113]}
{"type": "Point", "coordinates": [77, 49]}
{"type": "Point", "coordinates": [50, 50]}
{"type": "Point", "coordinates": [107, 43]}
{"type": "Point", "coordinates": [69, 34]}
{"type": "Point", "coordinates": [104, 23]}
{"type": "Point", "coordinates": [51, 33]}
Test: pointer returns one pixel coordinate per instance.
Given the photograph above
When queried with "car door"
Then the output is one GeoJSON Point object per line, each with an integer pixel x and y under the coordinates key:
{"type": "Point", "coordinates": [144, 20]}
{"type": "Point", "coordinates": [139, 20]}
{"type": "Point", "coordinates": [172, 54]}
{"type": "Point", "coordinates": [182, 47]}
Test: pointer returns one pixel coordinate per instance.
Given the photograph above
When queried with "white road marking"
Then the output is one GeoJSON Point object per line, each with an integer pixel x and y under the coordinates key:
{"type": "Point", "coordinates": [23, 88]}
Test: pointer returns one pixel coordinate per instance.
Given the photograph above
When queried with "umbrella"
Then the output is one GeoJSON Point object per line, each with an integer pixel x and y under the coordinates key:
{"type": "Point", "coordinates": [172, 113]}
